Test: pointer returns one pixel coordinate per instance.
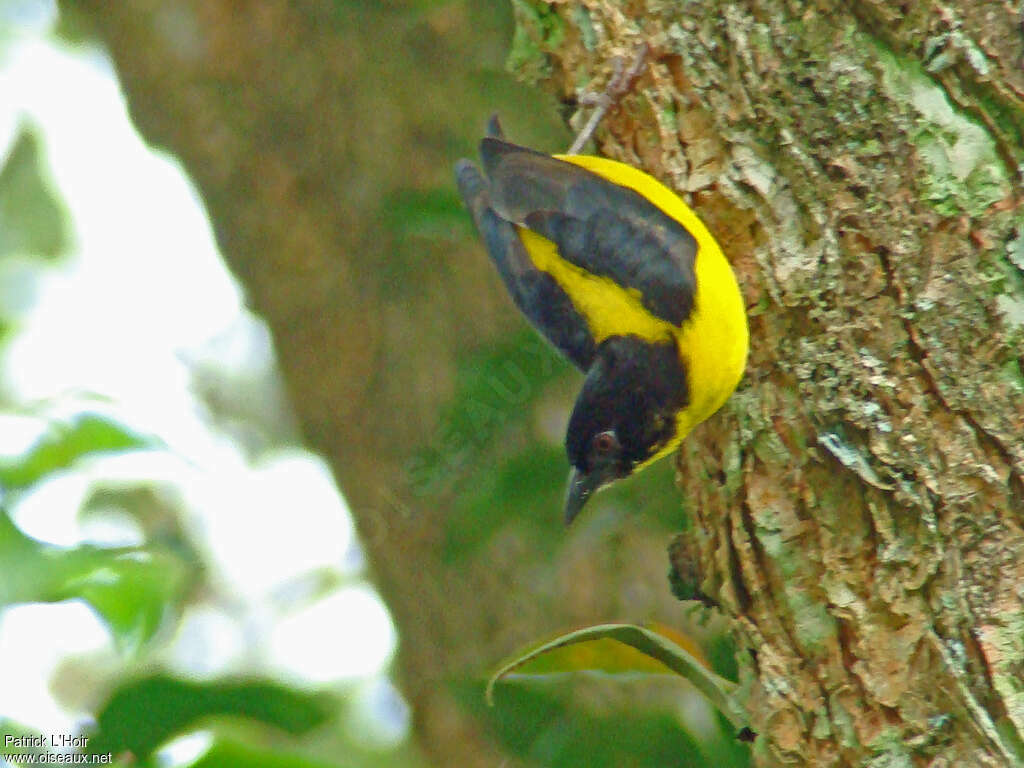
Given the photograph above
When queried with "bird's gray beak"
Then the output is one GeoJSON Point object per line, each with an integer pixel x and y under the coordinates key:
{"type": "Point", "coordinates": [581, 486]}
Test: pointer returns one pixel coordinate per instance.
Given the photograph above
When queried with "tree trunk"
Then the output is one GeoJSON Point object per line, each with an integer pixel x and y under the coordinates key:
{"type": "Point", "coordinates": [858, 500]}
{"type": "Point", "coordinates": [860, 497]}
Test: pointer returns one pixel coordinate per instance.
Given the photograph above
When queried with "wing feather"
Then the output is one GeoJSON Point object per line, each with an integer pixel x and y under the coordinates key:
{"type": "Point", "coordinates": [535, 292]}
{"type": "Point", "coordinates": [602, 227]}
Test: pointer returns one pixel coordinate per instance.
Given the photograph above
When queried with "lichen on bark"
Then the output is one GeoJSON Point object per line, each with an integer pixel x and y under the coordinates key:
{"type": "Point", "coordinates": [859, 499]}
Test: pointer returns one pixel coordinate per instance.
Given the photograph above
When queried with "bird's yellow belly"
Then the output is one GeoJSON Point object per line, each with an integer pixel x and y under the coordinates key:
{"type": "Point", "coordinates": [712, 342]}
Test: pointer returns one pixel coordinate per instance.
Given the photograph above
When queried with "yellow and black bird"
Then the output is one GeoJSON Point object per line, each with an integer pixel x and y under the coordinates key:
{"type": "Point", "coordinates": [624, 280]}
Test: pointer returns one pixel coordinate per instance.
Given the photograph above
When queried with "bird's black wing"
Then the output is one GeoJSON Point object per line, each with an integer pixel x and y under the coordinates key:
{"type": "Point", "coordinates": [535, 292]}
{"type": "Point", "coordinates": [600, 226]}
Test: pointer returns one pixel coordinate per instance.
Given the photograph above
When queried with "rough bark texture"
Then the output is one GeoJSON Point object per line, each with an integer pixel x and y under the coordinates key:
{"type": "Point", "coordinates": [860, 498]}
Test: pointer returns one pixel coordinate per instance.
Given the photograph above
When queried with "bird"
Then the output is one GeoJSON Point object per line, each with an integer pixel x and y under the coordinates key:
{"type": "Point", "coordinates": [627, 283]}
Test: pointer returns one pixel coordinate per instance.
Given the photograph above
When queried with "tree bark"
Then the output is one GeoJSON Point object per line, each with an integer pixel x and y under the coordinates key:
{"type": "Point", "coordinates": [860, 497]}
{"type": "Point", "coordinates": [858, 500]}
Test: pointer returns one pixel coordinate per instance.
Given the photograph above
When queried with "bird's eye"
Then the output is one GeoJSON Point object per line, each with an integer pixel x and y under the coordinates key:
{"type": "Point", "coordinates": [604, 442]}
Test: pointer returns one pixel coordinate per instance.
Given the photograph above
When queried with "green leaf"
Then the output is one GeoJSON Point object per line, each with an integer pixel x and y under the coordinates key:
{"type": "Point", "coordinates": [547, 726]}
{"type": "Point", "coordinates": [130, 588]}
{"type": "Point", "coordinates": [65, 443]}
{"type": "Point", "coordinates": [608, 656]}
{"type": "Point", "coordinates": [228, 754]}
{"type": "Point", "coordinates": [32, 218]}
{"type": "Point", "coordinates": [144, 714]}
{"type": "Point", "coordinates": [717, 689]}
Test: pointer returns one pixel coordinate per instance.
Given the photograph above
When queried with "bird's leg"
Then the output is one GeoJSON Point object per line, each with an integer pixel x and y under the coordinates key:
{"type": "Point", "coordinates": [620, 84]}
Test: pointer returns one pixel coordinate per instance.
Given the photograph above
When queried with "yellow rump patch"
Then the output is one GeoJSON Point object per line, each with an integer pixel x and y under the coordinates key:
{"type": "Point", "coordinates": [607, 308]}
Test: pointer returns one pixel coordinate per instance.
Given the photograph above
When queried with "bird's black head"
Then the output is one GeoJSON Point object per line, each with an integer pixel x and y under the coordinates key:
{"type": "Point", "coordinates": [624, 414]}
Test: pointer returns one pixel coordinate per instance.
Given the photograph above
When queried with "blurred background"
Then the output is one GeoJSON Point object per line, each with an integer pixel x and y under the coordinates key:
{"type": "Point", "coordinates": [181, 579]}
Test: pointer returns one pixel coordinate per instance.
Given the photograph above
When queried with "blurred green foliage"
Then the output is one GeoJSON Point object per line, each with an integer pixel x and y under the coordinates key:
{"type": "Point", "coordinates": [143, 714]}
{"type": "Point", "coordinates": [524, 489]}
{"type": "Point", "coordinates": [595, 723]}
{"type": "Point", "coordinates": [415, 221]}
{"type": "Point", "coordinates": [139, 592]}
{"type": "Point", "coordinates": [32, 219]}
{"type": "Point", "coordinates": [63, 444]}
{"type": "Point", "coordinates": [130, 587]}
{"type": "Point", "coordinates": [230, 754]}
{"type": "Point", "coordinates": [547, 728]}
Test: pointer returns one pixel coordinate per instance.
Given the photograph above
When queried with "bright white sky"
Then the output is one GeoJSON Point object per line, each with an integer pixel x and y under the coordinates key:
{"type": "Point", "coordinates": [144, 290]}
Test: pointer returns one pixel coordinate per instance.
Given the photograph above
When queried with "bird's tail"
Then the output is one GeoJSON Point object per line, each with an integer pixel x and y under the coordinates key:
{"type": "Point", "coordinates": [472, 188]}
